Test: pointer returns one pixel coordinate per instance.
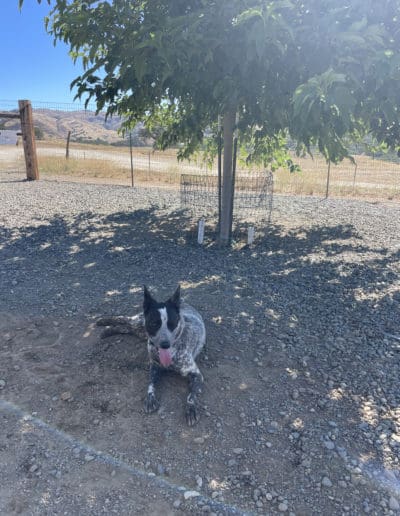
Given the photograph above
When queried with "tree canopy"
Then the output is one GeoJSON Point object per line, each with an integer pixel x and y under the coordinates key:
{"type": "Point", "coordinates": [318, 69]}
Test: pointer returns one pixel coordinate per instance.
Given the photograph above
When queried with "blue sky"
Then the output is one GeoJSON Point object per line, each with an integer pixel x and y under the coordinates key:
{"type": "Point", "coordinates": [32, 68]}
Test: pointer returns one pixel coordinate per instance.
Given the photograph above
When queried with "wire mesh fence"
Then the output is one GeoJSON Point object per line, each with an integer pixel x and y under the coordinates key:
{"type": "Point", "coordinates": [252, 203]}
{"type": "Point", "coordinates": [200, 198]}
{"type": "Point", "coordinates": [74, 143]}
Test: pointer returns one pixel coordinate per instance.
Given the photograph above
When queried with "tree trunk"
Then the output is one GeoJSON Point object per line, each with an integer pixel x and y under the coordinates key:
{"type": "Point", "coordinates": [219, 170]}
{"type": "Point", "coordinates": [227, 180]}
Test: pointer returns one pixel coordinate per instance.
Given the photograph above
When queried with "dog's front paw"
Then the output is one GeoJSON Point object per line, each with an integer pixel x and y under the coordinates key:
{"type": "Point", "coordinates": [151, 404]}
{"type": "Point", "coordinates": [192, 414]}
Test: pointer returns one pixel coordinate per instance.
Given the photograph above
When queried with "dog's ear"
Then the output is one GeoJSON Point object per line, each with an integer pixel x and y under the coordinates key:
{"type": "Point", "coordinates": [147, 299]}
{"type": "Point", "coordinates": [175, 299]}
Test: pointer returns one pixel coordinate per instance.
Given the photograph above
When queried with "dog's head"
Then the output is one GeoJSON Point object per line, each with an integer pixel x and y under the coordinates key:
{"type": "Point", "coordinates": [162, 323]}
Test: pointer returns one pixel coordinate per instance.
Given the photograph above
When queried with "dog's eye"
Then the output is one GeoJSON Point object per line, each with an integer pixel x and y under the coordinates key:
{"type": "Point", "coordinates": [153, 327]}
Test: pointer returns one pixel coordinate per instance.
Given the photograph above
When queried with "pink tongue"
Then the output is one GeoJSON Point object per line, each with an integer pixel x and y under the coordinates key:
{"type": "Point", "coordinates": [165, 357]}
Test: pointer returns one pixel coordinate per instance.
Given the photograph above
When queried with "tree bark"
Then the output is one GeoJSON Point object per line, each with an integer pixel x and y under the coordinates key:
{"type": "Point", "coordinates": [227, 180]}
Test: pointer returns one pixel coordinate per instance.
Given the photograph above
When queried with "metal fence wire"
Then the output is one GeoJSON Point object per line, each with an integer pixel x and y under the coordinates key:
{"type": "Point", "coordinates": [252, 201]}
{"type": "Point", "coordinates": [76, 144]}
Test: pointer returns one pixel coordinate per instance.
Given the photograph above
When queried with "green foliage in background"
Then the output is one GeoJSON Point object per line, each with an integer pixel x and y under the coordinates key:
{"type": "Point", "coordinates": [319, 71]}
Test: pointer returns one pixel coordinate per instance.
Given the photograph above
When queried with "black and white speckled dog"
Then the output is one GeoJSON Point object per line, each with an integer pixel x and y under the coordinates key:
{"type": "Point", "coordinates": [176, 335]}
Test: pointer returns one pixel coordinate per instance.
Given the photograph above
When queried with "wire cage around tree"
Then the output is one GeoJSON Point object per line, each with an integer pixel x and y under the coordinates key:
{"type": "Point", "coordinates": [252, 200]}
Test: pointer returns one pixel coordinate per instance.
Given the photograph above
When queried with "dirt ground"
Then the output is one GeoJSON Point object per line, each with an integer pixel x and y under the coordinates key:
{"type": "Point", "coordinates": [301, 405]}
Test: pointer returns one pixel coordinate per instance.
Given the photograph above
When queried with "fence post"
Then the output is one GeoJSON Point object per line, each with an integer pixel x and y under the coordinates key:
{"type": "Point", "coordinates": [354, 178]}
{"type": "Point", "coordinates": [131, 155]}
{"type": "Point", "coordinates": [28, 139]}
{"type": "Point", "coordinates": [148, 174]}
{"type": "Point", "coordinates": [328, 178]}
{"type": "Point", "coordinates": [67, 148]}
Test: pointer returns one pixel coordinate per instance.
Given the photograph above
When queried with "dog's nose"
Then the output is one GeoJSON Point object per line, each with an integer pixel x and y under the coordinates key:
{"type": "Point", "coordinates": [165, 344]}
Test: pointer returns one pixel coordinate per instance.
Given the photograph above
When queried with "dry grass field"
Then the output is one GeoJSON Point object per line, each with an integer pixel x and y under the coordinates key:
{"type": "Point", "coordinates": [371, 178]}
{"type": "Point", "coordinates": [99, 169]}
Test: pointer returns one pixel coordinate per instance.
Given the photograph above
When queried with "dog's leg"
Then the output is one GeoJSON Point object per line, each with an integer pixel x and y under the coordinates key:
{"type": "Point", "coordinates": [195, 384]}
{"type": "Point", "coordinates": [151, 404]}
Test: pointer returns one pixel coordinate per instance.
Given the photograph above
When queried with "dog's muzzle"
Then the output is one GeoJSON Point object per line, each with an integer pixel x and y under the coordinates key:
{"type": "Point", "coordinates": [165, 344]}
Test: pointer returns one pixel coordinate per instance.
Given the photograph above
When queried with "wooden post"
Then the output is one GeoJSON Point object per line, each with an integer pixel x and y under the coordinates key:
{"type": "Point", "coordinates": [227, 183]}
{"type": "Point", "coordinates": [28, 139]}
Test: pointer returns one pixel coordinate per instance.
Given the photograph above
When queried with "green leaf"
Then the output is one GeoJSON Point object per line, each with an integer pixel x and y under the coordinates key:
{"type": "Point", "coordinates": [249, 14]}
{"type": "Point", "coordinates": [319, 70]}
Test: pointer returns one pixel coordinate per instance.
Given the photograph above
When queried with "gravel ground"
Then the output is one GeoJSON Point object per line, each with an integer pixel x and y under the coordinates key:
{"type": "Point", "coordinates": [301, 406]}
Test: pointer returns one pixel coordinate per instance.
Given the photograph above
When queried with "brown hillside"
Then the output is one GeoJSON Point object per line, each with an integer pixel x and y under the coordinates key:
{"type": "Point", "coordinates": [84, 125]}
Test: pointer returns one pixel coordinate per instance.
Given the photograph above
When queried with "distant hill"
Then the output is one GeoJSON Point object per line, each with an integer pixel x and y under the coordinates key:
{"type": "Point", "coordinates": [85, 126]}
